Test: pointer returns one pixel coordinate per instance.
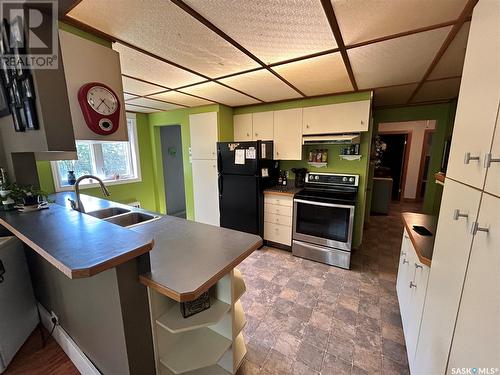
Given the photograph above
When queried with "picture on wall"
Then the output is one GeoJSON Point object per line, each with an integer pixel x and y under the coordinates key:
{"type": "Point", "coordinates": [17, 93]}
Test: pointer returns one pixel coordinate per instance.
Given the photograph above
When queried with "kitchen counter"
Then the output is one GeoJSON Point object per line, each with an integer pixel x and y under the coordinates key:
{"type": "Point", "coordinates": [424, 245]}
{"type": "Point", "coordinates": [78, 245]}
{"type": "Point", "coordinates": [289, 190]}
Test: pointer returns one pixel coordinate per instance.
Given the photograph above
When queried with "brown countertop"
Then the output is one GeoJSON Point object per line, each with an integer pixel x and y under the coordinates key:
{"type": "Point", "coordinates": [78, 245]}
{"type": "Point", "coordinates": [289, 190]}
{"type": "Point", "coordinates": [424, 245]}
{"type": "Point", "coordinates": [188, 257]}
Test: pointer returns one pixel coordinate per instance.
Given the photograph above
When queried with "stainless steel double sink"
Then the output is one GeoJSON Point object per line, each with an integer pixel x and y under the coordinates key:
{"type": "Point", "coordinates": [123, 217]}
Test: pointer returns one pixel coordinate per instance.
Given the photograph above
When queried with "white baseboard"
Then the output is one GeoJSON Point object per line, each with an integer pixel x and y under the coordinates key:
{"type": "Point", "coordinates": [79, 359]}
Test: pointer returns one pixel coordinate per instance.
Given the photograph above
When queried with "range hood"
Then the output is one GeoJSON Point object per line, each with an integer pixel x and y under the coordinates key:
{"type": "Point", "coordinates": [330, 139]}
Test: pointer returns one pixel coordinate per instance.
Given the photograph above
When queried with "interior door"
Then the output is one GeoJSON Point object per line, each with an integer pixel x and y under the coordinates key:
{"type": "Point", "coordinates": [446, 277]}
{"type": "Point", "coordinates": [204, 135]}
{"type": "Point", "coordinates": [288, 134]}
{"type": "Point", "coordinates": [478, 98]}
{"type": "Point", "coordinates": [205, 191]}
{"type": "Point", "coordinates": [263, 126]}
{"type": "Point", "coordinates": [243, 127]}
{"type": "Point", "coordinates": [477, 334]}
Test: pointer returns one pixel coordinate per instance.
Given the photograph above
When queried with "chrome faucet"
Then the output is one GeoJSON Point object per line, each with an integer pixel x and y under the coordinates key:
{"type": "Point", "coordinates": [78, 206]}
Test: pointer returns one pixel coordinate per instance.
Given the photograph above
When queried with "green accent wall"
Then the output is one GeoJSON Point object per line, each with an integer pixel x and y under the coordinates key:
{"type": "Point", "coordinates": [335, 164]}
{"type": "Point", "coordinates": [76, 31]}
{"type": "Point", "coordinates": [444, 114]}
{"type": "Point", "coordinates": [181, 117]}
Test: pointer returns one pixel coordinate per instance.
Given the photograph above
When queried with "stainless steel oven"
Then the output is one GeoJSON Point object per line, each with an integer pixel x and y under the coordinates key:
{"type": "Point", "coordinates": [323, 219]}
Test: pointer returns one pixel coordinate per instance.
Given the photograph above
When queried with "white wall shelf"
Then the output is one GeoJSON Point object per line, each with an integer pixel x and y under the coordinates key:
{"type": "Point", "coordinates": [173, 320]}
{"type": "Point", "coordinates": [240, 320]}
{"type": "Point", "coordinates": [239, 285]}
{"type": "Point", "coordinates": [351, 157]}
{"type": "Point", "coordinates": [317, 165]}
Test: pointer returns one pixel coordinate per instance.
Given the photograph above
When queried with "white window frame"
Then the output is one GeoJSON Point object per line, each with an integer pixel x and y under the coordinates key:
{"type": "Point", "coordinates": [136, 162]}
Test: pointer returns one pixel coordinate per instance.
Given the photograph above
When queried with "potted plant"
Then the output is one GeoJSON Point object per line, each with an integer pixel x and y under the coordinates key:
{"type": "Point", "coordinates": [26, 196]}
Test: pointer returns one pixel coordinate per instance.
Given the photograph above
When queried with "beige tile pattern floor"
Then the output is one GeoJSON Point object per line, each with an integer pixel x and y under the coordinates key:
{"type": "Point", "coordinates": [305, 317]}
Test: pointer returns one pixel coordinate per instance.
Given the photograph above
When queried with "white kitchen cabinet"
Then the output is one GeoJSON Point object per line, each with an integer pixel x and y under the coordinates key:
{"type": "Point", "coordinates": [449, 263]}
{"type": "Point", "coordinates": [349, 117]}
{"type": "Point", "coordinates": [243, 127]}
{"type": "Point", "coordinates": [477, 334]}
{"type": "Point", "coordinates": [204, 135]}
{"type": "Point", "coordinates": [288, 134]}
{"type": "Point", "coordinates": [492, 184]}
{"type": "Point", "coordinates": [478, 98]}
{"type": "Point", "coordinates": [263, 126]}
{"type": "Point", "coordinates": [205, 191]}
{"type": "Point", "coordinates": [411, 286]}
{"type": "Point", "coordinates": [278, 213]}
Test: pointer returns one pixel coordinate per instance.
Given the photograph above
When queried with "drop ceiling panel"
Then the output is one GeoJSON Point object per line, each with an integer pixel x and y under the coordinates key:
{"type": "Point", "coordinates": [319, 75]}
{"type": "Point", "coordinates": [272, 30]}
{"type": "Point", "coordinates": [140, 65]}
{"type": "Point", "coordinates": [166, 30]}
{"type": "Point", "coordinates": [180, 98]}
{"type": "Point", "coordinates": [134, 108]}
{"type": "Point", "coordinates": [452, 62]}
{"type": "Point", "coordinates": [219, 93]}
{"type": "Point", "coordinates": [438, 90]}
{"type": "Point", "coordinates": [129, 96]}
{"type": "Point", "coordinates": [361, 20]}
{"type": "Point", "coordinates": [393, 95]}
{"type": "Point", "coordinates": [133, 86]}
{"type": "Point", "coordinates": [263, 85]}
{"type": "Point", "coordinates": [396, 61]}
{"type": "Point", "coordinates": [153, 104]}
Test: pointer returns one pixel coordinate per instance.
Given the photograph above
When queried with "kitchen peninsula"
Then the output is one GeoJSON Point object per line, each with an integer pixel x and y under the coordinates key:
{"type": "Point", "coordinates": [86, 270]}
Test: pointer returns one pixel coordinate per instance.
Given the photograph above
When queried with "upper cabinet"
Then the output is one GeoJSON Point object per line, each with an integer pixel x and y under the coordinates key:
{"type": "Point", "coordinates": [204, 135]}
{"type": "Point", "coordinates": [288, 134]}
{"type": "Point", "coordinates": [337, 118]}
{"type": "Point", "coordinates": [478, 99]}
{"type": "Point", "coordinates": [493, 176]}
{"type": "Point", "coordinates": [243, 127]}
{"type": "Point", "coordinates": [263, 126]}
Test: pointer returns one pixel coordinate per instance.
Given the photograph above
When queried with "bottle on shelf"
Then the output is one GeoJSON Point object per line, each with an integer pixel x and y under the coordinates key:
{"type": "Point", "coordinates": [280, 178]}
{"type": "Point", "coordinates": [284, 179]}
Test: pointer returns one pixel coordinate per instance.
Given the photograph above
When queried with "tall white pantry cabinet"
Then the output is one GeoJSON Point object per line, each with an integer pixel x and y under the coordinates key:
{"type": "Point", "coordinates": [460, 326]}
{"type": "Point", "coordinates": [203, 128]}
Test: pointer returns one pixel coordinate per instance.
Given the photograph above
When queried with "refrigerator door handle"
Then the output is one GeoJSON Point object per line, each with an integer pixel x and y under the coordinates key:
{"type": "Point", "coordinates": [221, 186]}
{"type": "Point", "coordinates": [219, 160]}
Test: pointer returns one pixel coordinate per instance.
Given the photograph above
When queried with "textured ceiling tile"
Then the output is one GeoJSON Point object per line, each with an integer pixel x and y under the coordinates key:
{"type": "Point", "coordinates": [396, 61]}
{"type": "Point", "coordinates": [164, 29]}
{"type": "Point", "coordinates": [275, 30]}
{"type": "Point", "coordinates": [134, 108]}
{"type": "Point", "coordinates": [129, 96]}
{"type": "Point", "coordinates": [133, 86]}
{"type": "Point", "coordinates": [220, 94]}
{"type": "Point", "coordinates": [140, 65]}
{"type": "Point", "coordinates": [177, 97]}
{"type": "Point", "coordinates": [263, 85]}
{"type": "Point", "coordinates": [361, 20]}
{"type": "Point", "coordinates": [319, 75]}
{"type": "Point", "coordinates": [452, 62]}
{"type": "Point", "coordinates": [393, 95]}
{"type": "Point", "coordinates": [438, 90]}
{"type": "Point", "coordinates": [151, 103]}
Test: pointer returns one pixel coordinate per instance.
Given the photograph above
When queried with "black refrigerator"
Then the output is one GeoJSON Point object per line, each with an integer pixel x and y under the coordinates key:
{"type": "Point", "coordinates": [245, 170]}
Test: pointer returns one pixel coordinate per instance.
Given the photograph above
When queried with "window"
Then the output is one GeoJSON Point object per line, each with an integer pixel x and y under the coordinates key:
{"type": "Point", "coordinates": [113, 162]}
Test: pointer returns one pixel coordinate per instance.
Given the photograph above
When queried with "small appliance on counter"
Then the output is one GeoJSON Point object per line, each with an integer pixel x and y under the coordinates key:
{"type": "Point", "coordinates": [300, 177]}
{"type": "Point", "coordinates": [245, 170]}
{"type": "Point", "coordinates": [323, 218]}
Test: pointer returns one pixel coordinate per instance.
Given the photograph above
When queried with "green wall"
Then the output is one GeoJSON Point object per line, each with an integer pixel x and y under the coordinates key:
{"type": "Point", "coordinates": [444, 114]}
{"type": "Point", "coordinates": [181, 117]}
{"type": "Point", "coordinates": [335, 164]}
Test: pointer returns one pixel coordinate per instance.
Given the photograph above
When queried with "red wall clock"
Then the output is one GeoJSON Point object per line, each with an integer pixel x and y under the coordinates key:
{"type": "Point", "coordinates": [100, 107]}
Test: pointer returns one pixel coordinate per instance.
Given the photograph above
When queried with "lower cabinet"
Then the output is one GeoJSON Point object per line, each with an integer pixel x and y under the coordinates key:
{"type": "Point", "coordinates": [205, 191]}
{"type": "Point", "coordinates": [411, 286]}
{"type": "Point", "coordinates": [278, 216]}
{"type": "Point", "coordinates": [210, 342]}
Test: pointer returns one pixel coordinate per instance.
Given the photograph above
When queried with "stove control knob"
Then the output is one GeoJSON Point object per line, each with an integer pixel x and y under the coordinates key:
{"type": "Point", "coordinates": [344, 179]}
{"type": "Point", "coordinates": [351, 179]}
{"type": "Point", "coordinates": [316, 177]}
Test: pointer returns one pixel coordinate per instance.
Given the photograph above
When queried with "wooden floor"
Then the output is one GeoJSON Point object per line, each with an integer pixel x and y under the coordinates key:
{"type": "Point", "coordinates": [35, 359]}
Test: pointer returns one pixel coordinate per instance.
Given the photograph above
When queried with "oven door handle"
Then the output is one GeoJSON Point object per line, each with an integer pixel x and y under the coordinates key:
{"type": "Point", "coordinates": [323, 204]}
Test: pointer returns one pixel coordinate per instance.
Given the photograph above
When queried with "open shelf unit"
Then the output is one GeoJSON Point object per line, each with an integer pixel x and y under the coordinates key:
{"type": "Point", "coordinates": [210, 342]}
{"type": "Point", "coordinates": [351, 157]}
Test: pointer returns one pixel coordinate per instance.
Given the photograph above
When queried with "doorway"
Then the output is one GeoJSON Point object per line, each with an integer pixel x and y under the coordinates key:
{"type": "Point", "coordinates": [395, 159]}
{"type": "Point", "coordinates": [173, 170]}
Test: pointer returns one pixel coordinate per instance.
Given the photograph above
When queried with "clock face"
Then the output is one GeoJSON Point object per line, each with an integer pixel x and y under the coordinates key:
{"type": "Point", "coordinates": [102, 100]}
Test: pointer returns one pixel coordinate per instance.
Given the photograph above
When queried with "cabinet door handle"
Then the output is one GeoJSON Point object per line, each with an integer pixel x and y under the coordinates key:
{"type": "Point", "coordinates": [256, 134]}
{"type": "Point", "coordinates": [417, 266]}
{"type": "Point", "coordinates": [488, 159]}
{"type": "Point", "coordinates": [468, 158]}
{"type": "Point", "coordinates": [405, 261]}
{"type": "Point", "coordinates": [406, 236]}
{"type": "Point", "coordinates": [248, 134]}
{"type": "Point", "coordinates": [457, 214]}
{"type": "Point", "coordinates": [412, 285]}
{"type": "Point", "coordinates": [403, 253]}
{"type": "Point", "coordinates": [476, 228]}
{"type": "Point", "coordinates": [307, 126]}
